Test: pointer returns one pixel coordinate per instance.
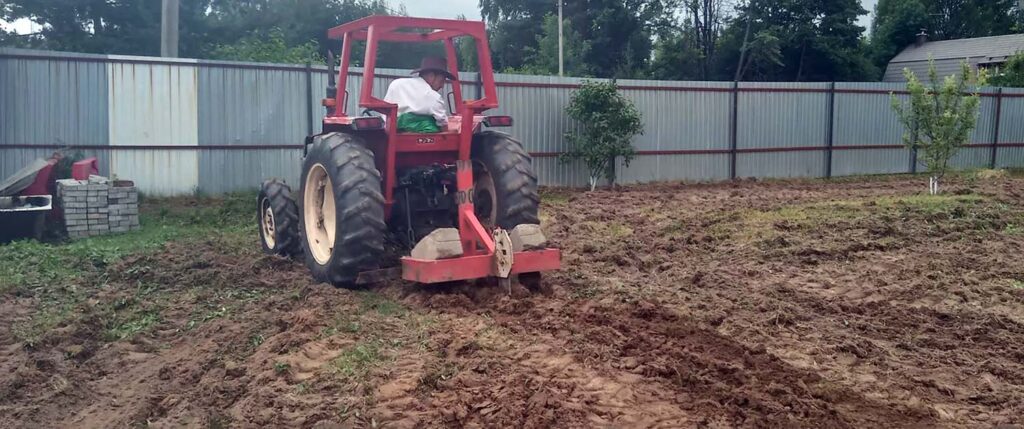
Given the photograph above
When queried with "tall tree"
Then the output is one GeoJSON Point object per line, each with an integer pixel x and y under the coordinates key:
{"type": "Point", "coordinates": [514, 26]}
{"type": "Point", "coordinates": [896, 25]}
{"type": "Point", "coordinates": [544, 59]}
{"type": "Point", "coordinates": [795, 40]}
{"type": "Point", "coordinates": [619, 31]}
{"type": "Point", "coordinates": [676, 55]}
{"type": "Point", "coordinates": [133, 26]}
{"type": "Point", "coordinates": [707, 17]}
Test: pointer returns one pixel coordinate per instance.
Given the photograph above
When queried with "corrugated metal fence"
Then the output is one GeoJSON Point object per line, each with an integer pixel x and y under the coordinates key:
{"type": "Point", "coordinates": [177, 125]}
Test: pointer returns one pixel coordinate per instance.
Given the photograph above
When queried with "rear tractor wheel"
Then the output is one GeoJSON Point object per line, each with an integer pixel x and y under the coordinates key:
{"type": "Point", "coordinates": [342, 209]}
{"type": "Point", "coordinates": [504, 184]}
{"type": "Point", "coordinates": [279, 219]}
{"type": "Point", "coordinates": [505, 188]}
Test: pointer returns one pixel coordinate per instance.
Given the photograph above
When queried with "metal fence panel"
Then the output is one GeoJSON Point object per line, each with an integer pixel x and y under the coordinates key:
{"type": "Point", "coordinates": [781, 164]}
{"type": "Point", "coordinates": [154, 105]}
{"type": "Point", "coordinates": [251, 107]}
{"type": "Point", "coordinates": [539, 115]}
{"type": "Point", "coordinates": [870, 161]}
{"type": "Point", "coordinates": [782, 119]}
{"type": "Point", "coordinates": [694, 119]}
{"type": "Point", "coordinates": [1011, 129]}
{"type": "Point", "coordinates": [863, 117]}
{"type": "Point", "coordinates": [223, 171]}
{"type": "Point", "coordinates": [52, 102]}
{"type": "Point", "coordinates": [551, 172]}
{"type": "Point", "coordinates": [687, 168]}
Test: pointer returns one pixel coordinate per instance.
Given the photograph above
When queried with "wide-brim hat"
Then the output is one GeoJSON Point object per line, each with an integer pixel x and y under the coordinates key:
{"type": "Point", "coordinates": [435, 64]}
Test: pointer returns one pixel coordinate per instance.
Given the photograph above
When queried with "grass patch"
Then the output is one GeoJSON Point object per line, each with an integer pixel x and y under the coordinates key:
{"type": "Point", "coordinates": [61, 276]}
{"type": "Point", "coordinates": [382, 305]}
{"type": "Point", "coordinates": [556, 196]}
{"type": "Point", "coordinates": [282, 367]}
{"type": "Point", "coordinates": [759, 225]}
{"type": "Point", "coordinates": [356, 362]}
{"type": "Point", "coordinates": [1017, 284]}
{"type": "Point", "coordinates": [132, 324]}
{"type": "Point", "coordinates": [32, 331]}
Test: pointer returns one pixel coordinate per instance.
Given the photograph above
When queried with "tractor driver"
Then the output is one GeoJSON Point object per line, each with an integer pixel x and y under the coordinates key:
{"type": "Point", "coordinates": [421, 109]}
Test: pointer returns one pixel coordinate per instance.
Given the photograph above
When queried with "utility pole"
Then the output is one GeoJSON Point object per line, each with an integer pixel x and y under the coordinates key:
{"type": "Point", "coordinates": [561, 61]}
{"type": "Point", "coordinates": [169, 28]}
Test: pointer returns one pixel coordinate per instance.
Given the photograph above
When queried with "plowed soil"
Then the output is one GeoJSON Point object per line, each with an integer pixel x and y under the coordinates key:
{"type": "Point", "coordinates": [854, 303]}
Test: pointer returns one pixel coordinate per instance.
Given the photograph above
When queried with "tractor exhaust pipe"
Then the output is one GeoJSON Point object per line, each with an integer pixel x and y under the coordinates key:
{"type": "Point", "coordinates": [332, 86]}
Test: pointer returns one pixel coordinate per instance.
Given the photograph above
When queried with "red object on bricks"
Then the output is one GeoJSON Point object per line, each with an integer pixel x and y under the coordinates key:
{"type": "Point", "coordinates": [41, 186]}
{"type": "Point", "coordinates": [82, 169]}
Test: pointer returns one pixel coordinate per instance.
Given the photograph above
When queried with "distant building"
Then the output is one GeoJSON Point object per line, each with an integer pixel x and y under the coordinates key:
{"type": "Point", "coordinates": [985, 52]}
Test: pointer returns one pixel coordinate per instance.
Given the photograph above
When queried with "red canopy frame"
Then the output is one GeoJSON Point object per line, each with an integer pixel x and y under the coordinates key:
{"type": "Point", "coordinates": [376, 29]}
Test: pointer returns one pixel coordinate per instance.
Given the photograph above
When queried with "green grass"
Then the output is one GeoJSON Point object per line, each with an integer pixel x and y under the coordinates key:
{"type": "Point", "coordinates": [1017, 284]}
{"type": "Point", "coordinates": [556, 196]}
{"type": "Point", "coordinates": [61, 276]}
{"type": "Point", "coordinates": [372, 301]}
{"type": "Point", "coordinates": [356, 362]}
{"type": "Point", "coordinates": [282, 367]}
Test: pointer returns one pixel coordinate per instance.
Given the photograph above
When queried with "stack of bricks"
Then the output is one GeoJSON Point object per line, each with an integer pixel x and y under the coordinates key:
{"type": "Point", "coordinates": [93, 207]}
{"type": "Point", "coordinates": [123, 214]}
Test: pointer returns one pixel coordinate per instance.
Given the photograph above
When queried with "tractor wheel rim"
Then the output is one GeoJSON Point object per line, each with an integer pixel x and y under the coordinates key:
{"type": "Point", "coordinates": [319, 214]}
{"type": "Point", "coordinates": [267, 224]}
{"type": "Point", "coordinates": [485, 200]}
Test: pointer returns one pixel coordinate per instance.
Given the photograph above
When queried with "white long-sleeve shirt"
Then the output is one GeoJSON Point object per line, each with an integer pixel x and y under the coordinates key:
{"type": "Point", "coordinates": [414, 95]}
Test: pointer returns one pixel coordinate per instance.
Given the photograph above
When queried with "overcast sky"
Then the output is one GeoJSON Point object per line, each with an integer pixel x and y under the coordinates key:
{"type": "Point", "coordinates": [448, 9]}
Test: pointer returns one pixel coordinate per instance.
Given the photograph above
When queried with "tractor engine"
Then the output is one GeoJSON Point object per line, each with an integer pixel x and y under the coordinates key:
{"type": "Point", "coordinates": [424, 201]}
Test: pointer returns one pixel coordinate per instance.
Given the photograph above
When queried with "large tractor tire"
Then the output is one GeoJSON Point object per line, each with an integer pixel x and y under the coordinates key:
{"type": "Point", "coordinates": [504, 184]}
{"type": "Point", "coordinates": [505, 188]}
{"type": "Point", "coordinates": [279, 219]}
{"type": "Point", "coordinates": [342, 209]}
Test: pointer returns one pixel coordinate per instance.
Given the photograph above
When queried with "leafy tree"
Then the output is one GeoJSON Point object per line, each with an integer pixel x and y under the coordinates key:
{"type": "Point", "coordinates": [619, 32]}
{"type": "Point", "coordinates": [108, 26]}
{"type": "Point", "coordinates": [608, 121]}
{"type": "Point", "coordinates": [544, 59]}
{"type": "Point", "coordinates": [795, 40]}
{"type": "Point", "coordinates": [133, 26]}
{"type": "Point", "coordinates": [960, 19]}
{"type": "Point", "coordinates": [706, 18]}
{"type": "Point", "coordinates": [895, 27]}
{"type": "Point", "coordinates": [939, 117]}
{"type": "Point", "coordinates": [269, 49]}
{"type": "Point", "coordinates": [676, 56]}
{"type": "Point", "coordinates": [513, 27]}
{"type": "Point", "coordinates": [1010, 74]}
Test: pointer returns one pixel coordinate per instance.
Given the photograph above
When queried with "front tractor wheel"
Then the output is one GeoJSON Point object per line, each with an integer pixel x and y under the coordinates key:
{"type": "Point", "coordinates": [279, 219]}
{"type": "Point", "coordinates": [342, 209]}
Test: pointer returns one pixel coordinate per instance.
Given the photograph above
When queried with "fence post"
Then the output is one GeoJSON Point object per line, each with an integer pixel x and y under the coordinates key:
{"type": "Point", "coordinates": [733, 129]}
{"type": "Point", "coordinates": [830, 137]}
{"type": "Point", "coordinates": [309, 98]}
{"type": "Point", "coordinates": [995, 132]}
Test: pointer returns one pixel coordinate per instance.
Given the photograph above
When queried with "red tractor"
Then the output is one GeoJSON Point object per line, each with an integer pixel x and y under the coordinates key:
{"type": "Point", "coordinates": [463, 200]}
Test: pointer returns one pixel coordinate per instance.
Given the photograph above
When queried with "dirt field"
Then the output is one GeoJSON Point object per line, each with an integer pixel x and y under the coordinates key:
{"type": "Point", "coordinates": [855, 303]}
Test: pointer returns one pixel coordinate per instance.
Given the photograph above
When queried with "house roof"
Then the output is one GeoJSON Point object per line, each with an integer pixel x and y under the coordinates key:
{"type": "Point", "coordinates": [995, 48]}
